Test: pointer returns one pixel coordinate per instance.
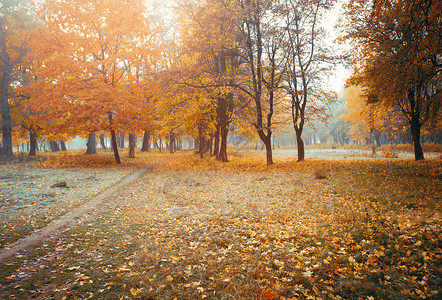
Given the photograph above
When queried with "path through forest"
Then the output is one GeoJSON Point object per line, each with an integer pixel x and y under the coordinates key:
{"type": "Point", "coordinates": [72, 218]}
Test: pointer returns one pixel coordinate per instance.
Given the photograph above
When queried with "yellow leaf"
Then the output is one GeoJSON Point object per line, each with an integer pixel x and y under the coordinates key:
{"type": "Point", "coordinates": [175, 259]}
{"type": "Point", "coordinates": [136, 291]}
{"type": "Point", "coordinates": [372, 259]}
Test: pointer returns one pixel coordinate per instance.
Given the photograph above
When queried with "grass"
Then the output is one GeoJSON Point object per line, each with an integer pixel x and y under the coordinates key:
{"type": "Point", "coordinates": [197, 228]}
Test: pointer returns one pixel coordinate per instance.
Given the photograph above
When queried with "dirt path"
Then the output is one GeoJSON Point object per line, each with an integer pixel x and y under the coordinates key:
{"type": "Point", "coordinates": [75, 217]}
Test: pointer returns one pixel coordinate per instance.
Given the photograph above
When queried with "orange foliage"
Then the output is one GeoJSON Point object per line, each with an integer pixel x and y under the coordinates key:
{"type": "Point", "coordinates": [92, 58]}
{"type": "Point", "coordinates": [269, 294]}
{"type": "Point", "coordinates": [366, 117]}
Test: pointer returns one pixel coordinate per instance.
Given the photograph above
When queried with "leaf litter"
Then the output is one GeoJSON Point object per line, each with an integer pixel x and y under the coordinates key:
{"type": "Point", "coordinates": [201, 229]}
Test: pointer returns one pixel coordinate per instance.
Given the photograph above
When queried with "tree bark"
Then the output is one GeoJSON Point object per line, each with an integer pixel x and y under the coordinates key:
{"type": "Point", "coordinates": [223, 148]}
{"type": "Point", "coordinates": [131, 145]}
{"type": "Point", "coordinates": [114, 139]}
{"type": "Point", "coordinates": [6, 149]}
{"type": "Point", "coordinates": [203, 143]}
{"type": "Point", "coordinates": [377, 137]}
{"type": "Point", "coordinates": [200, 142]}
{"type": "Point", "coordinates": [300, 145]}
{"type": "Point", "coordinates": [211, 144]}
{"type": "Point", "coordinates": [216, 143]}
{"type": "Point", "coordinates": [416, 134]}
{"type": "Point", "coordinates": [267, 140]}
{"type": "Point", "coordinates": [224, 110]}
{"type": "Point", "coordinates": [102, 143]}
{"type": "Point", "coordinates": [146, 142]}
{"type": "Point", "coordinates": [414, 115]}
{"type": "Point", "coordinates": [171, 143]}
{"type": "Point", "coordinates": [269, 153]}
{"type": "Point", "coordinates": [7, 67]}
{"type": "Point", "coordinates": [91, 144]}
{"type": "Point", "coordinates": [54, 146]}
{"type": "Point", "coordinates": [121, 140]}
{"type": "Point", "coordinates": [32, 142]}
{"type": "Point", "coordinates": [196, 143]}
{"type": "Point", "coordinates": [63, 146]}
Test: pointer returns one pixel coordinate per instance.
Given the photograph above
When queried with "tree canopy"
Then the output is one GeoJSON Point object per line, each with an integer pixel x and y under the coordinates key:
{"type": "Point", "coordinates": [396, 57]}
{"type": "Point", "coordinates": [93, 60]}
{"type": "Point", "coordinates": [224, 67]}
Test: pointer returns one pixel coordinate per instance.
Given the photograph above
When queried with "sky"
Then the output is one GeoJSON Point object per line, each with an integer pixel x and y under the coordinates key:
{"type": "Point", "coordinates": [336, 81]}
{"type": "Point", "coordinates": [341, 73]}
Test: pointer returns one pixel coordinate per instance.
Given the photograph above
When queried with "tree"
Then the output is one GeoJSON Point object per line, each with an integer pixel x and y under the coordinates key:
{"type": "Point", "coordinates": [261, 44]}
{"type": "Point", "coordinates": [14, 19]}
{"type": "Point", "coordinates": [90, 58]}
{"type": "Point", "coordinates": [209, 60]}
{"type": "Point", "coordinates": [397, 57]}
{"type": "Point", "coordinates": [308, 60]}
{"type": "Point", "coordinates": [91, 144]}
{"type": "Point", "coordinates": [369, 121]}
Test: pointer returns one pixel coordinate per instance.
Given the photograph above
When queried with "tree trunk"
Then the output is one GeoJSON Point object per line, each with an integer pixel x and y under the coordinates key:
{"type": "Point", "coordinates": [416, 134]}
{"type": "Point", "coordinates": [32, 142]}
{"type": "Point", "coordinates": [203, 143]}
{"type": "Point", "coordinates": [200, 142]}
{"type": "Point", "coordinates": [131, 145]}
{"type": "Point", "coordinates": [114, 140]}
{"type": "Point", "coordinates": [102, 143]}
{"type": "Point", "coordinates": [196, 143]}
{"type": "Point", "coordinates": [377, 137]}
{"type": "Point", "coordinates": [146, 142]}
{"type": "Point", "coordinates": [91, 144]}
{"type": "Point", "coordinates": [269, 153]}
{"type": "Point", "coordinates": [171, 143]}
{"type": "Point", "coordinates": [414, 119]}
{"type": "Point", "coordinates": [6, 149]}
{"type": "Point", "coordinates": [216, 143]}
{"type": "Point", "coordinates": [223, 148]}
{"type": "Point", "coordinates": [300, 144]}
{"type": "Point", "coordinates": [63, 146]}
{"type": "Point", "coordinates": [54, 146]}
{"type": "Point", "coordinates": [211, 144]}
{"type": "Point", "coordinates": [121, 140]}
{"type": "Point", "coordinates": [267, 140]}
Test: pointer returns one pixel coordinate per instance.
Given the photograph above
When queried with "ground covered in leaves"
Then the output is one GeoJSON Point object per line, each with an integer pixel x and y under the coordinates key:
{"type": "Point", "coordinates": [32, 195]}
{"type": "Point", "coordinates": [191, 228]}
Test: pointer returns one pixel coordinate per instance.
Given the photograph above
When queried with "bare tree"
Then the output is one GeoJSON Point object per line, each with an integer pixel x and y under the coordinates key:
{"type": "Point", "coordinates": [307, 59]}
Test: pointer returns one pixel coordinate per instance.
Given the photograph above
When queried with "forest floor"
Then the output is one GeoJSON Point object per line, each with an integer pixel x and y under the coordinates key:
{"type": "Point", "coordinates": [187, 228]}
